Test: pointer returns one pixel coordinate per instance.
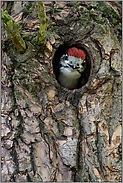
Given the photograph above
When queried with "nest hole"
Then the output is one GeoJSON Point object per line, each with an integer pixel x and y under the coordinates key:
{"type": "Point", "coordinates": [56, 64]}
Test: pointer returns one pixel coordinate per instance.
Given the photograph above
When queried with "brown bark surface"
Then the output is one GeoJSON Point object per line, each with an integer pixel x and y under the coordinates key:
{"type": "Point", "coordinates": [50, 133]}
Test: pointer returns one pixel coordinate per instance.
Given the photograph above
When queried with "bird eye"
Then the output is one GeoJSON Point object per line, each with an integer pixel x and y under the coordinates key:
{"type": "Point", "coordinates": [83, 63]}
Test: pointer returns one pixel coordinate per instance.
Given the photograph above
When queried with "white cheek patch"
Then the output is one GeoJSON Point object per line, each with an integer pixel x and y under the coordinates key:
{"type": "Point", "coordinates": [72, 63]}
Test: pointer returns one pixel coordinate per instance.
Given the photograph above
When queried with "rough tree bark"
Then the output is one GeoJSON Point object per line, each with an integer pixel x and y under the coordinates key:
{"type": "Point", "coordinates": [50, 133]}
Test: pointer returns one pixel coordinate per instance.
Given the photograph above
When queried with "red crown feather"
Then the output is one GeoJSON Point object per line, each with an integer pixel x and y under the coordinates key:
{"type": "Point", "coordinates": [76, 53]}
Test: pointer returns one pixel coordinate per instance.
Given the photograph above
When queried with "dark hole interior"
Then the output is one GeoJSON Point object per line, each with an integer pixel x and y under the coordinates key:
{"type": "Point", "coordinates": [63, 50]}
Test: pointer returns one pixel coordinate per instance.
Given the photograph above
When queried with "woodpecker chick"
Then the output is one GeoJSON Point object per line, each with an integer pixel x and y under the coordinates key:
{"type": "Point", "coordinates": [71, 67]}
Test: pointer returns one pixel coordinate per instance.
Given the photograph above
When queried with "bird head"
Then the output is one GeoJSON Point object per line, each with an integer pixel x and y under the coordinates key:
{"type": "Point", "coordinates": [75, 60]}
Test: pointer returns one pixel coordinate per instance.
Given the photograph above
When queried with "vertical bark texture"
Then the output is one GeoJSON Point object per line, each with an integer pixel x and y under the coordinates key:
{"type": "Point", "coordinates": [50, 133]}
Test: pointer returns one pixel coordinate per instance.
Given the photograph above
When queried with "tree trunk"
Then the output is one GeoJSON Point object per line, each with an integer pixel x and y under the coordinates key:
{"type": "Point", "coordinates": [50, 133]}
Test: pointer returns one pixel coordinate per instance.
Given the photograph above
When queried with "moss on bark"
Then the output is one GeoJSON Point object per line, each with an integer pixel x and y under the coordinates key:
{"type": "Point", "coordinates": [41, 39]}
{"type": "Point", "coordinates": [12, 29]}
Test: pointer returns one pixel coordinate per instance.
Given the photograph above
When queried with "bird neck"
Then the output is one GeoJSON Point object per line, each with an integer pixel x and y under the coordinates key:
{"type": "Point", "coordinates": [69, 78]}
